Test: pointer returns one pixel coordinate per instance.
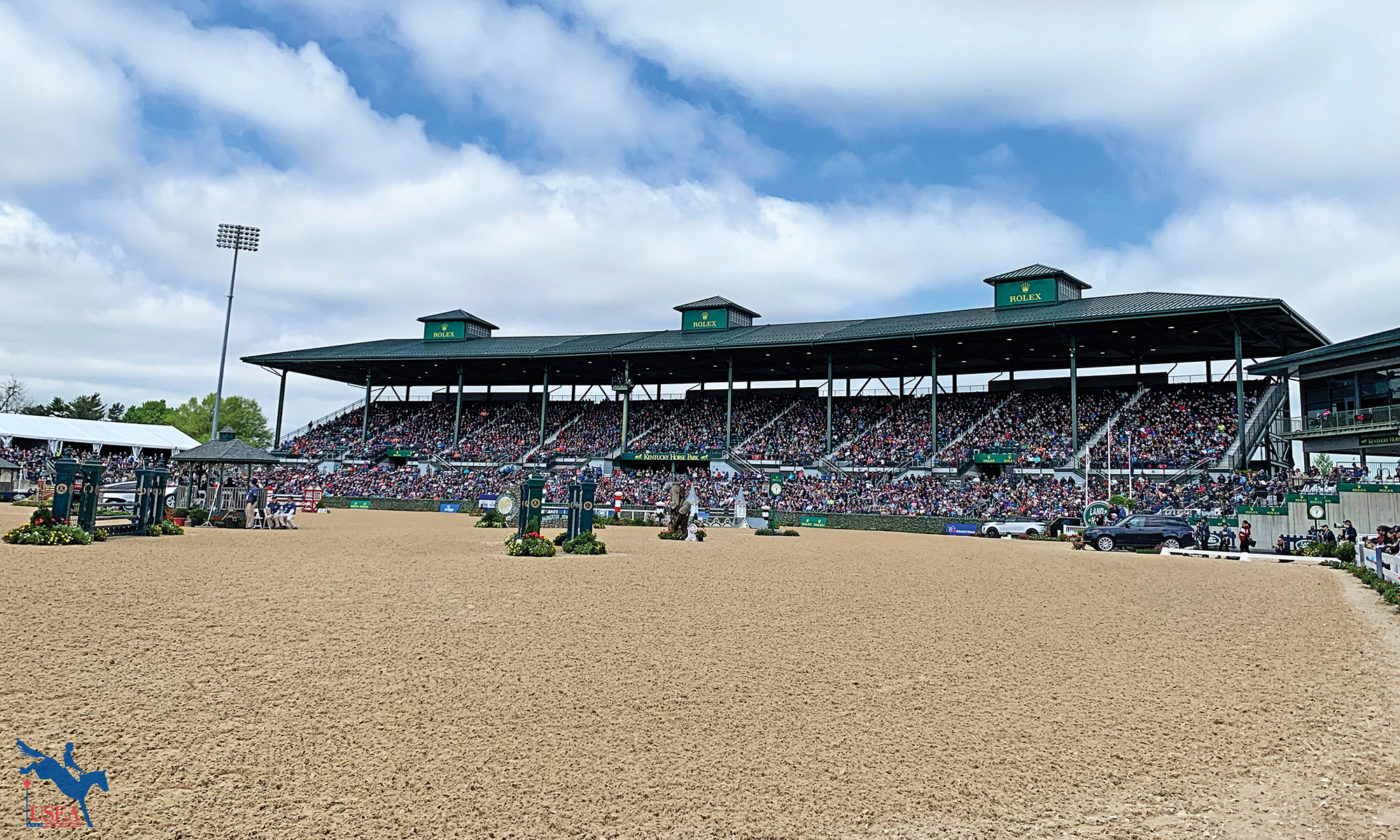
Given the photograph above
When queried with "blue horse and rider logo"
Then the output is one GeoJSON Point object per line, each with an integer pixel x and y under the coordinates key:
{"type": "Point", "coordinates": [71, 781]}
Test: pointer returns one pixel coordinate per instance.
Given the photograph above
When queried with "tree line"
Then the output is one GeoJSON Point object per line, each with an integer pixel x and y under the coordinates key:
{"type": "Point", "coordinates": [193, 417]}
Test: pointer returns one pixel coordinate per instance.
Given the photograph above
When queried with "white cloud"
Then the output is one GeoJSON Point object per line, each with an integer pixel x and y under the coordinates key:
{"type": "Point", "coordinates": [65, 118]}
{"type": "Point", "coordinates": [1267, 94]}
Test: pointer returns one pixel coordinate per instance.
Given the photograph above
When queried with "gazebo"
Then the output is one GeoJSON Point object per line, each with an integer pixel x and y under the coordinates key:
{"type": "Point", "coordinates": [219, 454]}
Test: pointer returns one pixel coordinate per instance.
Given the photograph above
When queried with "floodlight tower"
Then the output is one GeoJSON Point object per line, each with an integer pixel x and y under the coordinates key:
{"type": "Point", "coordinates": [239, 238]}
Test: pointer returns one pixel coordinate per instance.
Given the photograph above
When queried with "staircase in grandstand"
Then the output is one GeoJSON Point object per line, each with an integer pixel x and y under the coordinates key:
{"type": "Point", "coordinates": [771, 420]}
{"type": "Point", "coordinates": [1259, 424]}
{"type": "Point", "coordinates": [1102, 430]}
{"type": "Point", "coordinates": [525, 459]}
{"type": "Point", "coordinates": [914, 462]}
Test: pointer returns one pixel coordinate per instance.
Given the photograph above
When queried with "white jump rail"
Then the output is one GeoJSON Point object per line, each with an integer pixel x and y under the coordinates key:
{"type": "Point", "coordinates": [1240, 556]}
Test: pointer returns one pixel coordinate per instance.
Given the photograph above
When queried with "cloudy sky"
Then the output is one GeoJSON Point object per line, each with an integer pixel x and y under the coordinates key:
{"type": "Point", "coordinates": [584, 165]}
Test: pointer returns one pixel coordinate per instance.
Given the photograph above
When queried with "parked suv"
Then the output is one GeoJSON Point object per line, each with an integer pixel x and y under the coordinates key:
{"type": "Point", "coordinates": [1016, 527]}
{"type": "Point", "coordinates": [1141, 531]}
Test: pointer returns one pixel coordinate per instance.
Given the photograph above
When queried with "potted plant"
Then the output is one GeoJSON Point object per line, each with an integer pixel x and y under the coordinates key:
{"type": "Point", "coordinates": [180, 515]}
{"type": "Point", "coordinates": [198, 516]}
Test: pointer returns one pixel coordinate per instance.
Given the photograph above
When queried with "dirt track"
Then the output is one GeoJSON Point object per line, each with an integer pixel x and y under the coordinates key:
{"type": "Point", "coordinates": [391, 675]}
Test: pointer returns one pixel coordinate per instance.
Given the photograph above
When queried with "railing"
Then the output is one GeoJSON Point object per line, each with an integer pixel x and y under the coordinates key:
{"type": "Point", "coordinates": [1361, 420]}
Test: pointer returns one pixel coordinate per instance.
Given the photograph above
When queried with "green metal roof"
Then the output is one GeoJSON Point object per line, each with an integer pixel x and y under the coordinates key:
{"type": "Point", "coordinates": [1374, 347]}
{"type": "Point", "coordinates": [1112, 330]}
{"type": "Point", "coordinates": [458, 315]}
{"type": "Point", "coordinates": [717, 302]}
{"type": "Point", "coordinates": [1034, 272]}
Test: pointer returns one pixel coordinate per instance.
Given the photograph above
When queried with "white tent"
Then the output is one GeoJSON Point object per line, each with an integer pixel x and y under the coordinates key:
{"type": "Point", "coordinates": [95, 433]}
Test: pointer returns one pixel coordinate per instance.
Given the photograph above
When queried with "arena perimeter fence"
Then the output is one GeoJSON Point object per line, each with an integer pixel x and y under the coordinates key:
{"type": "Point", "coordinates": [844, 521]}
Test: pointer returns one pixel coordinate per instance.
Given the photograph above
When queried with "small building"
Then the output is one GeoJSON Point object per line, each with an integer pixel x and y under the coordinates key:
{"type": "Point", "coordinates": [1349, 394]}
{"type": "Point", "coordinates": [9, 475]}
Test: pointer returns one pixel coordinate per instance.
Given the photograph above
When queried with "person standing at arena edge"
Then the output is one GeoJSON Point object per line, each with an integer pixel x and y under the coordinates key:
{"type": "Point", "coordinates": [1246, 542]}
{"type": "Point", "coordinates": [1348, 532]}
{"type": "Point", "coordinates": [1203, 534]}
{"type": "Point", "coordinates": [250, 510]}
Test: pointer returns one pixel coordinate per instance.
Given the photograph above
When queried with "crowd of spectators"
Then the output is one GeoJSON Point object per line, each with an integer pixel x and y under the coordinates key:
{"type": "Point", "coordinates": [1037, 423]}
{"type": "Point", "coordinates": [1181, 425]}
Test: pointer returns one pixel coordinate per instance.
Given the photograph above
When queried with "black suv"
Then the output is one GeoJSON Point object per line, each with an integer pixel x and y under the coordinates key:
{"type": "Point", "coordinates": [1141, 531]}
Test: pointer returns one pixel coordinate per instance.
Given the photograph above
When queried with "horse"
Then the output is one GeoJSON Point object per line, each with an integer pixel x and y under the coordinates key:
{"type": "Point", "coordinates": [73, 787]}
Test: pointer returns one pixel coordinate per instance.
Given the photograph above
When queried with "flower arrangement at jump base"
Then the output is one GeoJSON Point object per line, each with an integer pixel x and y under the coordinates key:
{"type": "Point", "coordinates": [681, 535]}
{"type": "Point", "coordinates": [774, 532]}
{"type": "Point", "coordinates": [585, 543]}
{"type": "Point", "coordinates": [530, 545]}
{"type": "Point", "coordinates": [43, 529]}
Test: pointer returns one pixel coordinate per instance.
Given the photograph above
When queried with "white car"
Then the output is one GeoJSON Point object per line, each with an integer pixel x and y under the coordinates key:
{"type": "Point", "coordinates": [122, 496]}
{"type": "Point", "coordinates": [1016, 527]}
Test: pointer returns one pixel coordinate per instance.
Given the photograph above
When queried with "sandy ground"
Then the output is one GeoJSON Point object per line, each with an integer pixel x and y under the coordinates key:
{"type": "Point", "coordinates": [385, 674]}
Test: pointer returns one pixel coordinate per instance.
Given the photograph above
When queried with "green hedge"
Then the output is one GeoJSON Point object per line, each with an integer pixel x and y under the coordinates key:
{"type": "Point", "coordinates": [877, 522]}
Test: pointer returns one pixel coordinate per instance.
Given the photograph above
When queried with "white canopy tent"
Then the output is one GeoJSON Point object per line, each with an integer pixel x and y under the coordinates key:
{"type": "Point", "coordinates": [56, 431]}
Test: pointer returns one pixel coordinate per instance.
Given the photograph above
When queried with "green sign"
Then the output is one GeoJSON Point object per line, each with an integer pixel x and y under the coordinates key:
{"type": "Point", "coordinates": [670, 456]}
{"type": "Point", "coordinates": [705, 319]}
{"type": "Point", "coordinates": [1095, 510]}
{"type": "Point", "coordinates": [400, 453]}
{"type": "Point", "coordinates": [1262, 510]}
{"type": "Point", "coordinates": [359, 503]}
{"type": "Point", "coordinates": [1027, 292]}
{"type": "Point", "coordinates": [1386, 439]}
{"type": "Point", "coordinates": [812, 522]}
{"type": "Point", "coordinates": [444, 331]}
{"type": "Point", "coordinates": [994, 458]}
{"type": "Point", "coordinates": [1368, 488]}
{"type": "Point", "coordinates": [1311, 498]}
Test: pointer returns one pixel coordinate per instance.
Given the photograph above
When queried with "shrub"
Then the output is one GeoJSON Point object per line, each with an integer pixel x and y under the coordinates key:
{"type": "Point", "coordinates": [155, 531]}
{"type": "Point", "coordinates": [773, 532]}
{"type": "Point", "coordinates": [561, 537]}
{"type": "Point", "coordinates": [671, 535]}
{"type": "Point", "coordinates": [43, 516]}
{"type": "Point", "coordinates": [492, 519]}
{"type": "Point", "coordinates": [36, 534]}
{"type": "Point", "coordinates": [198, 516]}
{"type": "Point", "coordinates": [585, 543]}
{"type": "Point", "coordinates": [1345, 551]}
{"type": "Point", "coordinates": [232, 519]}
{"type": "Point", "coordinates": [598, 523]}
{"type": "Point", "coordinates": [530, 545]}
{"type": "Point", "coordinates": [100, 535]}
{"type": "Point", "coordinates": [169, 527]}
{"type": "Point", "coordinates": [180, 513]}
{"type": "Point", "coordinates": [700, 535]}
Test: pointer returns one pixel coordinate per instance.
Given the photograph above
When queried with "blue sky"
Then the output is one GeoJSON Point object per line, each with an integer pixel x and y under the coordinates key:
{"type": "Point", "coordinates": [608, 158]}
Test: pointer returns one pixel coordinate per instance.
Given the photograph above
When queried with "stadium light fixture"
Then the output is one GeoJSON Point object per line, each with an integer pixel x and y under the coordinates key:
{"type": "Point", "coordinates": [238, 238]}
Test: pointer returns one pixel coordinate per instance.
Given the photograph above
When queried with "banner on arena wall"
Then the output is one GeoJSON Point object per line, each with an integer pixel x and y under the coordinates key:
{"type": "Point", "coordinates": [960, 529]}
{"type": "Point", "coordinates": [1310, 498]}
{"type": "Point", "coordinates": [1368, 488]}
{"type": "Point", "coordinates": [994, 458]}
{"type": "Point", "coordinates": [670, 456]}
{"type": "Point", "coordinates": [1096, 509]}
{"type": "Point", "coordinates": [359, 503]}
{"type": "Point", "coordinates": [812, 522]}
{"type": "Point", "coordinates": [1262, 510]}
{"type": "Point", "coordinates": [449, 507]}
{"type": "Point", "coordinates": [487, 501]}
{"type": "Point", "coordinates": [400, 453]}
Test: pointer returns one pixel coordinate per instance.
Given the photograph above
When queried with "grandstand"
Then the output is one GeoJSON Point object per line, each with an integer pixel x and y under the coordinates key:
{"type": "Point", "coordinates": [824, 403]}
{"type": "Point", "coordinates": [32, 441]}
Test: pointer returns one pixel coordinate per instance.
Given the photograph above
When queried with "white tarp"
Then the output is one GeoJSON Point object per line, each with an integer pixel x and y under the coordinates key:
{"type": "Point", "coordinates": [89, 432]}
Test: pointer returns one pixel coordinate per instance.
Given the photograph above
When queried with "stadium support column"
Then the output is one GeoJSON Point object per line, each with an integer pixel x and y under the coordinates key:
{"type": "Point", "coordinates": [729, 411]}
{"type": "Point", "coordinates": [281, 399]}
{"type": "Point", "coordinates": [544, 403]}
{"type": "Point", "coordinates": [626, 402]}
{"type": "Point", "coordinates": [364, 418]}
{"type": "Point", "coordinates": [1074, 399]}
{"type": "Point", "coordinates": [1239, 396]}
{"type": "Point", "coordinates": [457, 417]}
{"type": "Point", "coordinates": [828, 402]}
{"type": "Point", "coordinates": [933, 406]}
